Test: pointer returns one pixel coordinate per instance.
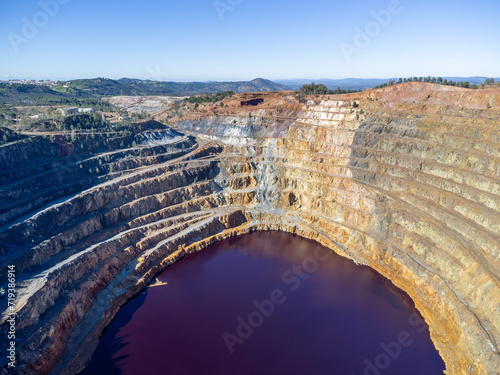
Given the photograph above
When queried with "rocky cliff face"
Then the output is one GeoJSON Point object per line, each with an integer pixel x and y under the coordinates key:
{"type": "Point", "coordinates": [405, 180]}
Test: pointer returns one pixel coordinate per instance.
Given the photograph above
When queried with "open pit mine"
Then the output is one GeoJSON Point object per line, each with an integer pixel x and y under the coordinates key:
{"type": "Point", "coordinates": [405, 180]}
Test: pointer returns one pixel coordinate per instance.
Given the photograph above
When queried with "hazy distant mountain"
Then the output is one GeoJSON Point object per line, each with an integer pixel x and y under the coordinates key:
{"type": "Point", "coordinates": [260, 84]}
{"type": "Point", "coordinates": [128, 86]}
{"type": "Point", "coordinates": [362, 83]}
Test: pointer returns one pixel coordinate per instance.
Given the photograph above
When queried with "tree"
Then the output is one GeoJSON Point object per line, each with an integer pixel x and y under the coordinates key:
{"type": "Point", "coordinates": [321, 89]}
{"type": "Point", "coordinates": [313, 89]}
{"type": "Point", "coordinates": [489, 82]}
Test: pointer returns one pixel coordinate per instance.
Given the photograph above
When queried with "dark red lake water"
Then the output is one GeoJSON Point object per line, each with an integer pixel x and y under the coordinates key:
{"type": "Point", "coordinates": [268, 303]}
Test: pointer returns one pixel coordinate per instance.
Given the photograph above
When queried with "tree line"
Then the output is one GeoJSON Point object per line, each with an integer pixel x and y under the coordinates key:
{"type": "Point", "coordinates": [439, 81]}
{"type": "Point", "coordinates": [213, 98]}
{"type": "Point", "coordinates": [320, 89]}
{"type": "Point", "coordinates": [92, 122]}
{"type": "Point", "coordinates": [8, 135]}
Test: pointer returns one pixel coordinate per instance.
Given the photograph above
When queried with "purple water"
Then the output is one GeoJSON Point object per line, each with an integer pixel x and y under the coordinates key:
{"type": "Point", "coordinates": [300, 309]}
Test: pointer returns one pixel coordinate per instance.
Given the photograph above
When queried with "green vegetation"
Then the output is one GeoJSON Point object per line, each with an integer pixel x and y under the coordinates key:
{"type": "Point", "coordinates": [488, 82]}
{"type": "Point", "coordinates": [87, 123]}
{"type": "Point", "coordinates": [439, 81]}
{"type": "Point", "coordinates": [97, 104]}
{"type": "Point", "coordinates": [31, 95]}
{"type": "Point", "coordinates": [84, 122]}
{"type": "Point", "coordinates": [7, 136]}
{"type": "Point", "coordinates": [140, 116]}
{"type": "Point", "coordinates": [320, 89]}
{"type": "Point", "coordinates": [8, 115]}
{"type": "Point", "coordinates": [214, 98]}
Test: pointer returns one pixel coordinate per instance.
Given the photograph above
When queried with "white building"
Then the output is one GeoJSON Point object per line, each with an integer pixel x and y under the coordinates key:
{"type": "Point", "coordinates": [86, 110]}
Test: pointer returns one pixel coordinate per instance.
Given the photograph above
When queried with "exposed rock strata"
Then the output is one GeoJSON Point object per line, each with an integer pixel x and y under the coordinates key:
{"type": "Point", "coordinates": [408, 182]}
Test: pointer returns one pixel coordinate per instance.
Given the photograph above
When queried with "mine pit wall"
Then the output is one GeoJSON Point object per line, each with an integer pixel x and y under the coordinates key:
{"type": "Point", "coordinates": [56, 171]}
{"type": "Point", "coordinates": [76, 219]}
{"type": "Point", "coordinates": [416, 201]}
{"type": "Point", "coordinates": [414, 196]}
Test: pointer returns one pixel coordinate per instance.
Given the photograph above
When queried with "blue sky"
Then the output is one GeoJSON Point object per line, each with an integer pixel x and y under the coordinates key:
{"type": "Point", "coordinates": [190, 40]}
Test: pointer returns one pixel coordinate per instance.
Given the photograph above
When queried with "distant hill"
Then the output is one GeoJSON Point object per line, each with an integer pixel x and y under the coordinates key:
{"type": "Point", "coordinates": [363, 83]}
{"type": "Point", "coordinates": [259, 84]}
{"type": "Point", "coordinates": [100, 87]}
{"type": "Point", "coordinates": [128, 86]}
